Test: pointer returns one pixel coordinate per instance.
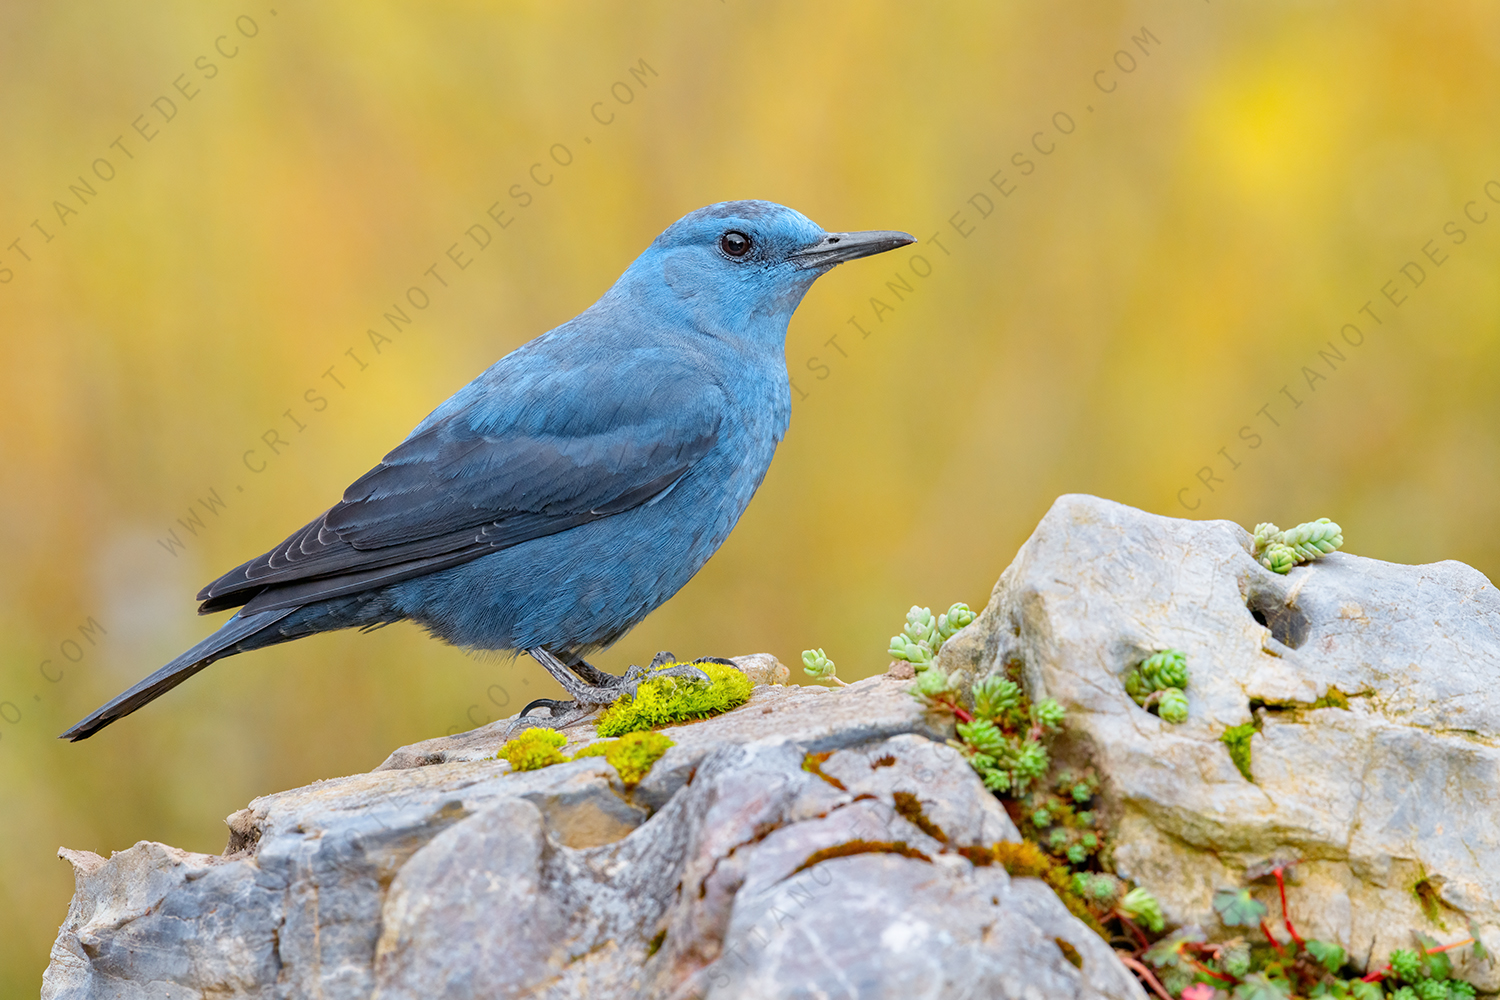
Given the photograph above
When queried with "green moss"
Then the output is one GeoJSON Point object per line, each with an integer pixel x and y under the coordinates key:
{"type": "Point", "coordinates": [1333, 699]}
{"type": "Point", "coordinates": [632, 755]}
{"type": "Point", "coordinates": [533, 749]}
{"type": "Point", "coordinates": [1026, 860]}
{"type": "Point", "coordinates": [1427, 897]}
{"type": "Point", "coordinates": [910, 808]}
{"type": "Point", "coordinates": [667, 700]}
{"type": "Point", "coordinates": [1237, 739]}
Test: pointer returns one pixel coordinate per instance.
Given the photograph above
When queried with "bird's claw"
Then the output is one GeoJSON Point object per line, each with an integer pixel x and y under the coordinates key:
{"type": "Point", "coordinates": [659, 668]}
{"type": "Point", "coordinates": [551, 704]}
{"type": "Point", "coordinates": [686, 670]}
{"type": "Point", "coordinates": [561, 714]}
{"type": "Point", "coordinates": [659, 660]}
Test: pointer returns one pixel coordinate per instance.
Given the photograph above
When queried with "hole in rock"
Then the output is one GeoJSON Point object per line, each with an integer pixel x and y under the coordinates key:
{"type": "Point", "coordinates": [1289, 626]}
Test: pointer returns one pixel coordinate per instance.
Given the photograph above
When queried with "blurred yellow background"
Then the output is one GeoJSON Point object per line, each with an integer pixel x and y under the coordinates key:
{"type": "Point", "coordinates": [1140, 224]}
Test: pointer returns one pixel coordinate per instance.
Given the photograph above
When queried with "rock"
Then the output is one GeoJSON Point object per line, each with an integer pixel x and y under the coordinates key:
{"type": "Point", "coordinates": [469, 913]}
{"type": "Point", "coordinates": [763, 669]}
{"type": "Point", "coordinates": [1394, 797]}
{"type": "Point", "coordinates": [901, 670]}
{"type": "Point", "coordinates": [740, 866]}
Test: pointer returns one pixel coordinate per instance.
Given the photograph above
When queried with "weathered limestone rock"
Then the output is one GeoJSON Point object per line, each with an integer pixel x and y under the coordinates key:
{"type": "Point", "coordinates": [443, 874]}
{"type": "Point", "coordinates": [1399, 793]}
{"type": "Point", "coordinates": [741, 866]}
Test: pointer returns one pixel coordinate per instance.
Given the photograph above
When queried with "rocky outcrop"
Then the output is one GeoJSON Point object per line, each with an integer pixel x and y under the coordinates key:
{"type": "Point", "coordinates": [811, 843]}
{"type": "Point", "coordinates": [739, 867]}
{"type": "Point", "coordinates": [1375, 687]}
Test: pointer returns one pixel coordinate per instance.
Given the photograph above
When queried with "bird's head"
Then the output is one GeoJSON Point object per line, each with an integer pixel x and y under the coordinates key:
{"type": "Point", "coordinates": [742, 267]}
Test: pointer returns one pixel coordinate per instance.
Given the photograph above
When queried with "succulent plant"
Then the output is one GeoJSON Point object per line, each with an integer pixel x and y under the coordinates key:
{"type": "Point", "coordinates": [1280, 550]}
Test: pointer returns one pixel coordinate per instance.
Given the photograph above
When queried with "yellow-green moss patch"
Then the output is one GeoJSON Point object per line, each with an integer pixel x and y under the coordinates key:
{"type": "Point", "coordinates": [662, 701]}
{"type": "Point", "coordinates": [533, 749]}
{"type": "Point", "coordinates": [1237, 739]}
{"type": "Point", "coordinates": [632, 755]}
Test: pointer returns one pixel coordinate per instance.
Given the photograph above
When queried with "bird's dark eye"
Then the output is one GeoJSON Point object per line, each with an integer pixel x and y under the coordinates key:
{"type": "Point", "coordinates": [735, 243]}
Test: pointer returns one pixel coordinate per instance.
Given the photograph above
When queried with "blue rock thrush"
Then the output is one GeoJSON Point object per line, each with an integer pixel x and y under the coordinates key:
{"type": "Point", "coordinates": [562, 496]}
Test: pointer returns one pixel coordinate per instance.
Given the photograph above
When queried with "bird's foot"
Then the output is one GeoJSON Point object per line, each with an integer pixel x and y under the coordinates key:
{"type": "Point", "coordinates": [658, 668]}
{"type": "Point", "coordinates": [560, 715]}
{"type": "Point", "coordinates": [589, 689]}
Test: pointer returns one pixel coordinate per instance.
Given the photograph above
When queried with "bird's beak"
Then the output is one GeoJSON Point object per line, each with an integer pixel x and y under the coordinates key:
{"type": "Point", "coordinates": [835, 248]}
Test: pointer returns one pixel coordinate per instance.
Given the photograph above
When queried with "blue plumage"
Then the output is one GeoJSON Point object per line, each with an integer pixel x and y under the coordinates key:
{"type": "Point", "coordinates": [567, 492]}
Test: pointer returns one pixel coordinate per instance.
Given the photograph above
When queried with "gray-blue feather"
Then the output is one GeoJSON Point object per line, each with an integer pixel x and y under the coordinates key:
{"type": "Point", "coordinates": [571, 489]}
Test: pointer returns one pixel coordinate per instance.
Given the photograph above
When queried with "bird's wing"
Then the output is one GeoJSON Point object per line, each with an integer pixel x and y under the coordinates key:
{"type": "Point", "coordinates": [481, 478]}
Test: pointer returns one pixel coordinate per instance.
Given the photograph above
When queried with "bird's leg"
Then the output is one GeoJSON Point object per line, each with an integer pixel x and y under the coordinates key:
{"type": "Point", "coordinates": [586, 697]}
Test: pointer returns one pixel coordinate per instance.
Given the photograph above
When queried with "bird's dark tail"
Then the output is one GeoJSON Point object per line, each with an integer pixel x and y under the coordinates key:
{"type": "Point", "coordinates": [217, 646]}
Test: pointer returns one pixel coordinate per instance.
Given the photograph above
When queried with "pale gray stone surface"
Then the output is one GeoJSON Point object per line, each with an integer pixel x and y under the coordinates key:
{"type": "Point", "coordinates": [1402, 784]}
{"type": "Point", "coordinates": [461, 879]}
{"type": "Point", "coordinates": [442, 874]}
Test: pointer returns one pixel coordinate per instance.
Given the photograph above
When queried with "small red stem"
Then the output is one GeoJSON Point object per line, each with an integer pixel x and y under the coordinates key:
{"type": "Point", "coordinates": [1448, 947]}
{"type": "Point", "coordinates": [1139, 934]}
{"type": "Point", "coordinates": [1379, 974]}
{"type": "Point", "coordinates": [1209, 972]}
{"type": "Point", "coordinates": [1272, 938]}
{"type": "Point", "coordinates": [958, 710]}
{"type": "Point", "coordinates": [1286, 916]}
{"type": "Point", "coordinates": [1146, 976]}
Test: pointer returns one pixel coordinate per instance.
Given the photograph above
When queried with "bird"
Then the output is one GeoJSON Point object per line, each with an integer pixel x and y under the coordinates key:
{"type": "Point", "coordinates": [573, 487]}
